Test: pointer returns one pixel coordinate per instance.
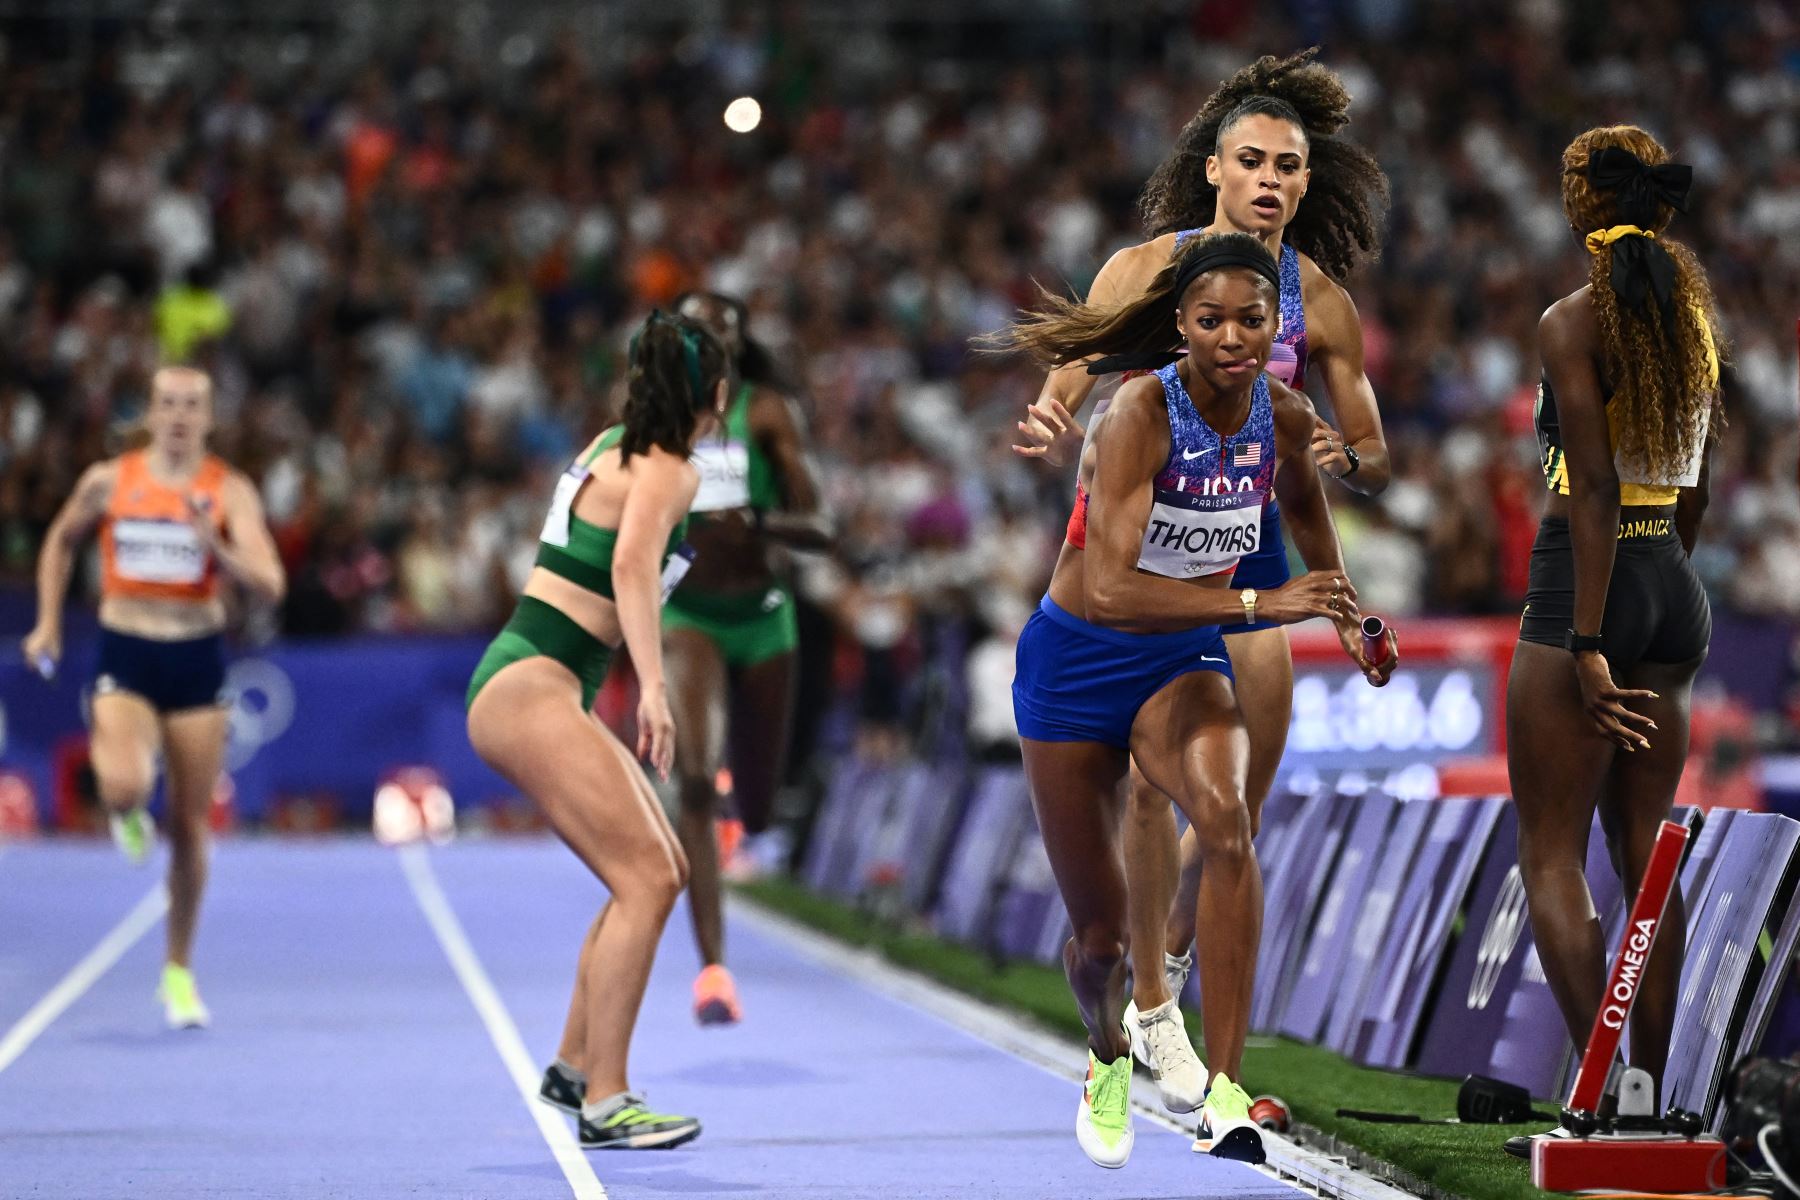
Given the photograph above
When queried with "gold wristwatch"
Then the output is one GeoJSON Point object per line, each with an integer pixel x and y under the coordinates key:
{"type": "Point", "coordinates": [1248, 596]}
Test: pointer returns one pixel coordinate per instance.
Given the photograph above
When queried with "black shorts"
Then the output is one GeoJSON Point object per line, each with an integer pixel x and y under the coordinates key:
{"type": "Point", "coordinates": [171, 676]}
{"type": "Point", "coordinates": [1656, 610]}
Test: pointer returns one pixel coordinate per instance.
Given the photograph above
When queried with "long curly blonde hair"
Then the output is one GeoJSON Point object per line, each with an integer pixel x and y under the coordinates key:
{"type": "Point", "coordinates": [1664, 373]}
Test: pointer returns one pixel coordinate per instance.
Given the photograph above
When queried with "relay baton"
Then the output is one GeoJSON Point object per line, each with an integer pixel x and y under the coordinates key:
{"type": "Point", "coordinates": [1374, 640]}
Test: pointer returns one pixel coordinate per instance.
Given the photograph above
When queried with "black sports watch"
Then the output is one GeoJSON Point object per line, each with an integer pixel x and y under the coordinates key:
{"type": "Point", "coordinates": [1355, 460]}
{"type": "Point", "coordinates": [1581, 643]}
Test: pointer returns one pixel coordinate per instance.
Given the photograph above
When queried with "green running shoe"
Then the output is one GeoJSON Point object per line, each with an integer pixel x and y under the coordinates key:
{"type": "Point", "coordinates": [1103, 1122]}
{"type": "Point", "coordinates": [181, 999]}
{"type": "Point", "coordinates": [622, 1122]}
{"type": "Point", "coordinates": [133, 833]}
{"type": "Point", "coordinates": [1226, 1130]}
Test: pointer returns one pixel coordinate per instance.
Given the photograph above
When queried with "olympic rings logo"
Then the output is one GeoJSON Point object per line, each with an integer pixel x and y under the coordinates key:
{"type": "Point", "coordinates": [1498, 941]}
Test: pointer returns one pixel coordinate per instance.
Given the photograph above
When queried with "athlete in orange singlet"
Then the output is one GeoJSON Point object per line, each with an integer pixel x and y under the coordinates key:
{"type": "Point", "coordinates": [174, 521]}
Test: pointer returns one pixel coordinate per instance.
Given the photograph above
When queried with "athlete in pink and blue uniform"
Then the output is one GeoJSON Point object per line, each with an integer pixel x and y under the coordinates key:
{"type": "Point", "coordinates": [1125, 660]}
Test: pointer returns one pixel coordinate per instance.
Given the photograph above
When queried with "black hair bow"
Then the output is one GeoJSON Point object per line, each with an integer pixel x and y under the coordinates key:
{"type": "Point", "coordinates": [1638, 186]}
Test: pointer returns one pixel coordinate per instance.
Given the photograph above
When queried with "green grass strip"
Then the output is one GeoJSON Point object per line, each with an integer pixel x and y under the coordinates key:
{"type": "Point", "coordinates": [1462, 1160]}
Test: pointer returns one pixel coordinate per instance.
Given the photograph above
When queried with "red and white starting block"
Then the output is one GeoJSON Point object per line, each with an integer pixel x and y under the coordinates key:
{"type": "Point", "coordinates": [1638, 1150]}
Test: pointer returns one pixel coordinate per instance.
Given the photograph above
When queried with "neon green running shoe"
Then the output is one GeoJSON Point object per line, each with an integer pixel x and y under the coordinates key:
{"type": "Point", "coordinates": [1103, 1122]}
{"type": "Point", "coordinates": [623, 1122]}
{"type": "Point", "coordinates": [133, 832]}
{"type": "Point", "coordinates": [181, 999]}
{"type": "Point", "coordinates": [1226, 1130]}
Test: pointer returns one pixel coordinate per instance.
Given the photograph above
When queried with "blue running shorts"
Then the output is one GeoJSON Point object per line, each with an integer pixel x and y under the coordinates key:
{"type": "Point", "coordinates": [171, 676]}
{"type": "Point", "coordinates": [1079, 682]}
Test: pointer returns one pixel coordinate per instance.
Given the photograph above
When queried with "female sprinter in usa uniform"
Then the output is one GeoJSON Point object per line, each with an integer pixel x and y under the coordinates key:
{"type": "Point", "coordinates": [603, 569]}
{"type": "Point", "coordinates": [1124, 661]}
{"type": "Point", "coordinates": [1261, 157]}
{"type": "Point", "coordinates": [174, 521]}
{"type": "Point", "coordinates": [1616, 622]}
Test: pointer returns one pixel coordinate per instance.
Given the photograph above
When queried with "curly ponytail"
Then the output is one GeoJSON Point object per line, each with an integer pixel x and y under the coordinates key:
{"type": "Point", "coordinates": [1664, 372]}
{"type": "Point", "coordinates": [1339, 222]}
{"type": "Point", "coordinates": [675, 367]}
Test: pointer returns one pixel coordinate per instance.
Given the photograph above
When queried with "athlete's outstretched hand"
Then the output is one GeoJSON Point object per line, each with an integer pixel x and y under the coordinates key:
{"type": "Point", "coordinates": [1314, 594]}
{"type": "Point", "coordinates": [1050, 432]}
{"type": "Point", "coordinates": [1605, 703]}
{"type": "Point", "coordinates": [656, 729]}
{"type": "Point", "coordinates": [1349, 631]}
{"type": "Point", "coordinates": [43, 650]}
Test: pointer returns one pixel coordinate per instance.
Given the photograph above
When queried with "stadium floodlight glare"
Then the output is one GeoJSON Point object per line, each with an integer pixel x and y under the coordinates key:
{"type": "Point", "coordinates": [743, 114]}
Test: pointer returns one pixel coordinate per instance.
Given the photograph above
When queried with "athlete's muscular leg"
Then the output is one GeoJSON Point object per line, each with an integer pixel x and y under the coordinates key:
{"type": "Point", "coordinates": [1264, 666]}
{"type": "Point", "coordinates": [1074, 789]}
{"type": "Point", "coordinates": [1153, 869]}
{"type": "Point", "coordinates": [762, 710]}
{"type": "Point", "coordinates": [528, 724]}
{"type": "Point", "coordinates": [573, 1048]}
{"type": "Point", "coordinates": [1189, 740]}
{"type": "Point", "coordinates": [194, 751]}
{"type": "Point", "coordinates": [697, 691]}
{"type": "Point", "coordinates": [123, 746]}
{"type": "Point", "coordinates": [1557, 763]}
{"type": "Point", "coordinates": [1640, 791]}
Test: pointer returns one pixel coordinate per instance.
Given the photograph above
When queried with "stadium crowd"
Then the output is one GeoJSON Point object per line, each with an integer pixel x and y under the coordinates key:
{"type": "Point", "coordinates": [410, 276]}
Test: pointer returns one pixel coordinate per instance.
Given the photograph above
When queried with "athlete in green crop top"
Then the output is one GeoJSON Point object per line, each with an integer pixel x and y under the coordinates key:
{"type": "Point", "coordinates": [582, 553]}
{"type": "Point", "coordinates": [730, 628]}
{"type": "Point", "coordinates": [614, 526]}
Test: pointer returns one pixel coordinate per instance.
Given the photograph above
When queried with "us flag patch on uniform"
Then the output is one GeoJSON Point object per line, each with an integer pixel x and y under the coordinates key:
{"type": "Point", "coordinates": [1247, 455]}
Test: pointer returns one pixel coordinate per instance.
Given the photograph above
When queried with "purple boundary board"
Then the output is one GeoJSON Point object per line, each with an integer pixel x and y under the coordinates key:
{"type": "Point", "coordinates": [1288, 909]}
{"type": "Point", "coordinates": [1028, 898]}
{"type": "Point", "coordinates": [1753, 859]}
{"type": "Point", "coordinates": [1374, 920]}
{"type": "Point", "coordinates": [1465, 1025]}
{"type": "Point", "coordinates": [998, 814]}
{"type": "Point", "coordinates": [1776, 983]}
{"type": "Point", "coordinates": [909, 832]}
{"type": "Point", "coordinates": [1436, 893]}
{"type": "Point", "coordinates": [854, 791]}
{"type": "Point", "coordinates": [1328, 939]}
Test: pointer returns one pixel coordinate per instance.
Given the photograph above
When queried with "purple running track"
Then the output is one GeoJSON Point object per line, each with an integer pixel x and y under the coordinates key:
{"type": "Point", "coordinates": [346, 1059]}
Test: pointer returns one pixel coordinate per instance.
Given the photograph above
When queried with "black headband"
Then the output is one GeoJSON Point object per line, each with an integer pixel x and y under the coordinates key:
{"type": "Point", "coordinates": [1202, 262]}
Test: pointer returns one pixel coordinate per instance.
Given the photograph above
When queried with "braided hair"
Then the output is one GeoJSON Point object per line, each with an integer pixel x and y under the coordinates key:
{"type": "Point", "coordinates": [1339, 221]}
{"type": "Point", "coordinates": [675, 366]}
{"type": "Point", "coordinates": [1663, 368]}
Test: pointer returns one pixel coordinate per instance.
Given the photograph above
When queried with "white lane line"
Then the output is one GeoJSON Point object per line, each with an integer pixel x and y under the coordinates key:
{"type": "Point", "coordinates": [1290, 1163]}
{"type": "Point", "coordinates": [109, 950]}
{"type": "Point", "coordinates": [500, 1027]}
